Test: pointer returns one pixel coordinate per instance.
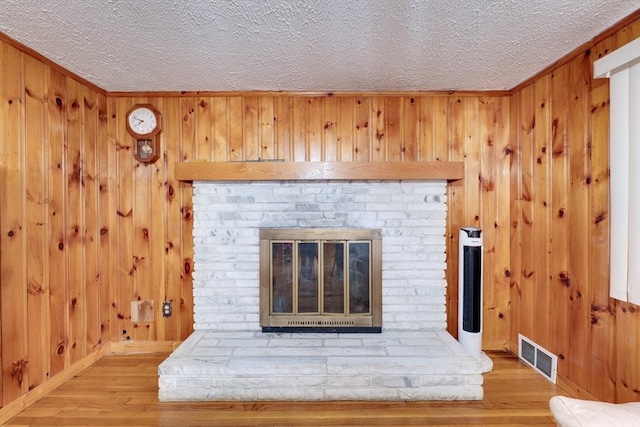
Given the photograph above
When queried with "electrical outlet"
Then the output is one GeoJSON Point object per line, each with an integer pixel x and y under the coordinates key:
{"type": "Point", "coordinates": [166, 309]}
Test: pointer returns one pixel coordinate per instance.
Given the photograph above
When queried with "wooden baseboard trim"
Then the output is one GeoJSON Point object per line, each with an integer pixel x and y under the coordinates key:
{"type": "Point", "coordinates": [573, 389]}
{"type": "Point", "coordinates": [14, 408]}
{"type": "Point", "coordinates": [133, 347]}
{"type": "Point", "coordinates": [496, 345]}
{"type": "Point", "coordinates": [125, 347]}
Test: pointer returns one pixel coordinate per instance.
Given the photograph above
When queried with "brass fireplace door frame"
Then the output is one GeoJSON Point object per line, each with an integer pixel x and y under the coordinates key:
{"type": "Point", "coordinates": [271, 321]}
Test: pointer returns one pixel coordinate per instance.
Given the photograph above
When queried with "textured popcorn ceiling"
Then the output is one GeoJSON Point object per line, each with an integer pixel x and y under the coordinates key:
{"type": "Point", "coordinates": [307, 45]}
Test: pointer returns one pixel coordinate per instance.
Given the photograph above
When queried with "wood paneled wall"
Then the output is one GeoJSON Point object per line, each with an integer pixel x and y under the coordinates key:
{"type": "Point", "coordinates": [85, 230]}
{"type": "Point", "coordinates": [303, 128]}
{"type": "Point", "coordinates": [53, 196]}
{"type": "Point", "coordinates": [560, 229]}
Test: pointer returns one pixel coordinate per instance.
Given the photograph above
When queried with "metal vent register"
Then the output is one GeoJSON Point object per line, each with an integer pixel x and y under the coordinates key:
{"type": "Point", "coordinates": [540, 359]}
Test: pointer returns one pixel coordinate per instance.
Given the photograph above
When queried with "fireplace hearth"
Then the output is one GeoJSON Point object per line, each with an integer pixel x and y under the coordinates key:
{"type": "Point", "coordinates": [229, 357]}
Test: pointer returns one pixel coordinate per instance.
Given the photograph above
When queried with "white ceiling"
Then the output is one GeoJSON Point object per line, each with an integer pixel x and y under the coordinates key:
{"type": "Point", "coordinates": [307, 45]}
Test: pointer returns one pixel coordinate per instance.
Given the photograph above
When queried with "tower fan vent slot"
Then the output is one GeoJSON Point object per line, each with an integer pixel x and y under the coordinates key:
{"type": "Point", "coordinates": [472, 289]}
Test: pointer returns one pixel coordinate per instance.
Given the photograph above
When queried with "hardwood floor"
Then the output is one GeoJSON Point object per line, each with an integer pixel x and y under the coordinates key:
{"type": "Point", "coordinates": [122, 391]}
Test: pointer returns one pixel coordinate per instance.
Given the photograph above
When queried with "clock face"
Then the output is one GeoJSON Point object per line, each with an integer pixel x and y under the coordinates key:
{"type": "Point", "coordinates": [142, 120]}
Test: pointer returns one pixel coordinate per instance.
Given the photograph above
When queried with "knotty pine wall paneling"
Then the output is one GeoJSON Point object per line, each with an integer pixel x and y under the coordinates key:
{"type": "Point", "coordinates": [455, 206]}
{"type": "Point", "coordinates": [525, 126]}
{"type": "Point", "coordinates": [479, 135]}
{"type": "Point", "coordinates": [154, 240]}
{"type": "Point", "coordinates": [560, 228]}
{"type": "Point", "coordinates": [514, 272]}
{"type": "Point", "coordinates": [283, 132]}
{"type": "Point", "coordinates": [14, 300]}
{"type": "Point", "coordinates": [579, 222]}
{"type": "Point", "coordinates": [394, 143]}
{"type": "Point", "coordinates": [331, 140]}
{"type": "Point", "coordinates": [349, 128]}
{"type": "Point", "coordinates": [601, 345]}
{"type": "Point", "coordinates": [204, 140]}
{"type": "Point", "coordinates": [57, 257]}
{"type": "Point", "coordinates": [177, 248]}
{"type": "Point", "coordinates": [35, 232]}
{"type": "Point", "coordinates": [235, 150]}
{"type": "Point", "coordinates": [105, 186]}
{"type": "Point", "coordinates": [299, 150]}
{"type": "Point", "coordinates": [361, 141]}
{"type": "Point", "coordinates": [540, 206]}
{"type": "Point", "coordinates": [52, 228]}
{"type": "Point", "coordinates": [143, 184]}
{"type": "Point", "coordinates": [314, 132]}
{"type": "Point", "coordinates": [494, 185]}
{"type": "Point", "coordinates": [127, 259]}
{"type": "Point", "coordinates": [75, 223]}
{"type": "Point", "coordinates": [91, 209]}
{"type": "Point", "coordinates": [560, 238]}
{"type": "Point", "coordinates": [186, 216]}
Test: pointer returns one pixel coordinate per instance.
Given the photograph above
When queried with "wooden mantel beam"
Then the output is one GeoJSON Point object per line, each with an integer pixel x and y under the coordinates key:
{"type": "Point", "coordinates": [307, 171]}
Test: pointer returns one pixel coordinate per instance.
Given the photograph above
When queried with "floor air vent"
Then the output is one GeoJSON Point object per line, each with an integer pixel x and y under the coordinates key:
{"type": "Point", "coordinates": [538, 358]}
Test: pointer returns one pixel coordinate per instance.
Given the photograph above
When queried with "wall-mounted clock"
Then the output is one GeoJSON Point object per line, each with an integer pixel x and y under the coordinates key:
{"type": "Point", "coordinates": [144, 124]}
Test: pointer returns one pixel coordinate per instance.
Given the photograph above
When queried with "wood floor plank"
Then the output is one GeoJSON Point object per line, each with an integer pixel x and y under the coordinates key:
{"type": "Point", "coordinates": [122, 390]}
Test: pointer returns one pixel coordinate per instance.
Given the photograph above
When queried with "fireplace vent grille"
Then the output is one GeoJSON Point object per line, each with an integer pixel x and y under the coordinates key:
{"type": "Point", "coordinates": [321, 323]}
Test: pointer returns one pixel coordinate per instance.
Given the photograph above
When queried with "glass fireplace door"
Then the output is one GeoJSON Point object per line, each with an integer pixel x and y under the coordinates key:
{"type": "Point", "coordinates": [310, 277]}
{"type": "Point", "coordinates": [320, 282]}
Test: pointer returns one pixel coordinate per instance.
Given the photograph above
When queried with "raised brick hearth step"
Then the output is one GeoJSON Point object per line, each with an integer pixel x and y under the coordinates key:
{"type": "Point", "coordinates": [392, 365]}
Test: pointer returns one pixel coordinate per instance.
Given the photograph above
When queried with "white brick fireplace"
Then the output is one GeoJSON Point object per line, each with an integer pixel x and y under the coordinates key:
{"type": "Point", "coordinates": [228, 358]}
{"type": "Point", "coordinates": [228, 218]}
